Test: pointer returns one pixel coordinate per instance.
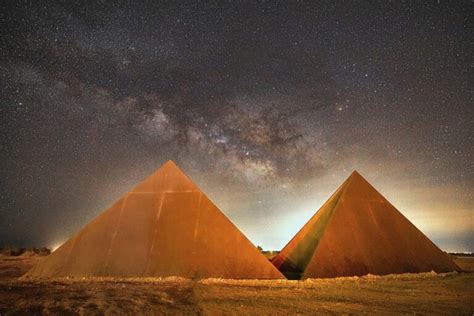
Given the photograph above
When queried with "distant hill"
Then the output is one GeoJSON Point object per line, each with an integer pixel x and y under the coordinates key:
{"type": "Point", "coordinates": [30, 251]}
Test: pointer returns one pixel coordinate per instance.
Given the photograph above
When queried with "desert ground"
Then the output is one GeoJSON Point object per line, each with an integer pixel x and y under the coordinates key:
{"type": "Point", "coordinates": [424, 293]}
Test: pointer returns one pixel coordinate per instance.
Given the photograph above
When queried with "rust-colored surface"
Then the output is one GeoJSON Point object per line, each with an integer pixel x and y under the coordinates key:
{"type": "Point", "coordinates": [356, 232]}
{"type": "Point", "coordinates": [164, 227]}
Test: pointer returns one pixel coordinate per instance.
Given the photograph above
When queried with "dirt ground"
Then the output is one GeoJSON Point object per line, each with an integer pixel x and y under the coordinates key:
{"type": "Point", "coordinates": [424, 293]}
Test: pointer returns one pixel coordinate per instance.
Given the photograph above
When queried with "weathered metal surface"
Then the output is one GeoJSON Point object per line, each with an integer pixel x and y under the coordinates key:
{"type": "Point", "coordinates": [164, 227]}
{"type": "Point", "coordinates": [356, 232]}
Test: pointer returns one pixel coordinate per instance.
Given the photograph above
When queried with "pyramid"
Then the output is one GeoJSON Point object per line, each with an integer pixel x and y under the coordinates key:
{"type": "Point", "coordinates": [166, 226]}
{"type": "Point", "coordinates": [357, 232]}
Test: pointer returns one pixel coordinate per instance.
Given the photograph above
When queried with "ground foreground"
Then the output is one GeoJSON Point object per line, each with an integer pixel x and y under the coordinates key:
{"type": "Point", "coordinates": [425, 293]}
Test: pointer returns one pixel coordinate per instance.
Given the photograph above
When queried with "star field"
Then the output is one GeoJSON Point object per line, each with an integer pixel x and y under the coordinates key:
{"type": "Point", "coordinates": [267, 106]}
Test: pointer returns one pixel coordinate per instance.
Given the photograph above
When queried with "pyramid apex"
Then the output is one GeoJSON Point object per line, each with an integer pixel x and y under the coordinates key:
{"type": "Point", "coordinates": [355, 173]}
{"type": "Point", "coordinates": [357, 177]}
{"type": "Point", "coordinates": [169, 162]}
{"type": "Point", "coordinates": [171, 166]}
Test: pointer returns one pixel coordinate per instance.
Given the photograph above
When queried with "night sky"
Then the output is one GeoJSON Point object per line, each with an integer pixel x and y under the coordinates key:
{"type": "Point", "coordinates": [268, 107]}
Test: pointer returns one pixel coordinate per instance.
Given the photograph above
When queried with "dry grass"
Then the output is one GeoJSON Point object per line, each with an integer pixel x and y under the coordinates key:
{"type": "Point", "coordinates": [425, 293]}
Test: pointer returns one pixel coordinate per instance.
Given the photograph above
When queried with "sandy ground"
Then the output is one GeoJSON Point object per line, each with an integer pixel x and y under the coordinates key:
{"type": "Point", "coordinates": [425, 293]}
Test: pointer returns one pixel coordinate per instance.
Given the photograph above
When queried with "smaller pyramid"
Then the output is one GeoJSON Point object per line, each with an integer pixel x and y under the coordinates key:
{"type": "Point", "coordinates": [165, 226]}
{"type": "Point", "coordinates": [357, 232]}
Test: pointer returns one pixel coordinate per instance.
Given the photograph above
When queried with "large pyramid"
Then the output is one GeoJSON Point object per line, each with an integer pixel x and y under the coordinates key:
{"type": "Point", "coordinates": [164, 227]}
{"type": "Point", "coordinates": [356, 232]}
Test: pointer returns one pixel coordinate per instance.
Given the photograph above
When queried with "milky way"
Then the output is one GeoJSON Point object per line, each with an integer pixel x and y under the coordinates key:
{"type": "Point", "coordinates": [267, 106]}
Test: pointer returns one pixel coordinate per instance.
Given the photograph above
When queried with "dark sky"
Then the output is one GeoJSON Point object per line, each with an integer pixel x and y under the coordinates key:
{"type": "Point", "coordinates": [267, 106]}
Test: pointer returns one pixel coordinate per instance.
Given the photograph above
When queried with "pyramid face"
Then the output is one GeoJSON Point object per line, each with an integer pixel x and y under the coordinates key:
{"type": "Point", "coordinates": [356, 232]}
{"type": "Point", "coordinates": [164, 227]}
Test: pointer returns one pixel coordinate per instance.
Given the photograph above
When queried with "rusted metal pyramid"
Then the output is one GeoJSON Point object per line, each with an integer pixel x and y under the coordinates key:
{"type": "Point", "coordinates": [356, 232]}
{"type": "Point", "coordinates": [166, 226]}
